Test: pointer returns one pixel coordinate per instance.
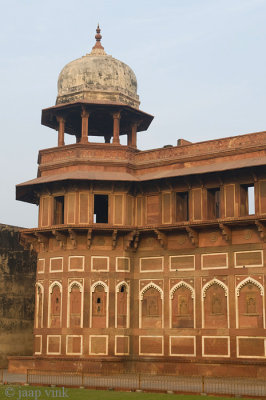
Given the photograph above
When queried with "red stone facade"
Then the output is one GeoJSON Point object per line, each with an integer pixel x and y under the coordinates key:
{"type": "Point", "coordinates": [148, 260]}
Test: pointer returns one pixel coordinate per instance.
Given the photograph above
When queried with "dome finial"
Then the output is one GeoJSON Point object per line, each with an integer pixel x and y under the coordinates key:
{"type": "Point", "coordinates": [98, 48]}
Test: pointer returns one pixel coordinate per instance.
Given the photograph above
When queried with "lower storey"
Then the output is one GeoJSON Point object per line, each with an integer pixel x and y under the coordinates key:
{"type": "Point", "coordinates": [160, 366]}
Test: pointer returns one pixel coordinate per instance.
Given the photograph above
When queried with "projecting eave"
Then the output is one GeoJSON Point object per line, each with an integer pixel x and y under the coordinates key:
{"type": "Point", "coordinates": [27, 191]}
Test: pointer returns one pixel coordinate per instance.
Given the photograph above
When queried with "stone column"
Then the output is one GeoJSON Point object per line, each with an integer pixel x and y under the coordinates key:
{"type": "Point", "coordinates": [84, 126]}
{"type": "Point", "coordinates": [129, 138]}
{"type": "Point", "coordinates": [61, 130]}
{"type": "Point", "coordinates": [134, 135]}
{"type": "Point", "coordinates": [116, 128]}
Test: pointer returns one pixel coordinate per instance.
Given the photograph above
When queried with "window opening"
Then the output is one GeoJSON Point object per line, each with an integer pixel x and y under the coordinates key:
{"type": "Point", "coordinates": [182, 213]}
{"type": "Point", "coordinates": [59, 210]}
{"type": "Point", "coordinates": [98, 300]}
{"type": "Point", "coordinates": [213, 203]}
{"type": "Point", "coordinates": [122, 289]}
{"type": "Point", "coordinates": [247, 200]}
{"type": "Point", "coordinates": [100, 208]}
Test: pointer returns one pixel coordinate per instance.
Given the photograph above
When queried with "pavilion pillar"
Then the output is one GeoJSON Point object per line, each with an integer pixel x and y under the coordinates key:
{"type": "Point", "coordinates": [116, 128]}
{"type": "Point", "coordinates": [61, 130]}
{"type": "Point", "coordinates": [134, 135]}
{"type": "Point", "coordinates": [84, 125]}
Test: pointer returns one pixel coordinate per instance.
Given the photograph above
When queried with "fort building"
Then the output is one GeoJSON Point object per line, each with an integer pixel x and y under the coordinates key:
{"type": "Point", "coordinates": [147, 260]}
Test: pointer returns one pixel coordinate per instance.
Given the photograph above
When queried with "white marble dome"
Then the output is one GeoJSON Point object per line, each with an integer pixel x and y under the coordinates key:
{"type": "Point", "coordinates": [97, 78]}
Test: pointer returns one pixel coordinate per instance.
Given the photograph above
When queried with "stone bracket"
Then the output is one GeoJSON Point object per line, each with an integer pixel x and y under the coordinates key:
{"type": "Point", "coordinates": [89, 238]}
{"type": "Point", "coordinates": [226, 232]}
{"type": "Point", "coordinates": [114, 239]}
{"type": "Point", "coordinates": [73, 238]}
{"type": "Point", "coordinates": [162, 238]}
{"type": "Point", "coordinates": [261, 230]}
{"type": "Point", "coordinates": [60, 238]}
{"type": "Point", "coordinates": [132, 237]}
{"type": "Point", "coordinates": [193, 235]}
{"type": "Point", "coordinates": [43, 241]}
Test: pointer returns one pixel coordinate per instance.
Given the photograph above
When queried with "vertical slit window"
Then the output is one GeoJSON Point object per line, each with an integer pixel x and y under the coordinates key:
{"type": "Point", "coordinates": [59, 210]}
{"type": "Point", "coordinates": [182, 213]}
{"type": "Point", "coordinates": [213, 203]}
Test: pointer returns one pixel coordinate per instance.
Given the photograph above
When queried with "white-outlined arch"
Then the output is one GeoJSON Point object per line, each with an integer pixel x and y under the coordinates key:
{"type": "Point", "coordinates": [106, 289]}
{"type": "Point", "coordinates": [207, 285]}
{"type": "Point", "coordinates": [150, 285]}
{"type": "Point", "coordinates": [237, 293]}
{"type": "Point", "coordinates": [171, 295]}
{"type": "Point", "coordinates": [52, 285]}
{"type": "Point", "coordinates": [81, 289]}
{"type": "Point", "coordinates": [117, 288]}
{"type": "Point", "coordinates": [39, 285]}
{"type": "Point", "coordinates": [249, 280]}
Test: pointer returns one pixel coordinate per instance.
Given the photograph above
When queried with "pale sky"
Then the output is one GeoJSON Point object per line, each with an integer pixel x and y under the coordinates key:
{"type": "Point", "coordinates": [200, 66]}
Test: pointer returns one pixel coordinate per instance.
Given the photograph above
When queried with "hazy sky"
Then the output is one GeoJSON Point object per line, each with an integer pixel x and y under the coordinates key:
{"type": "Point", "coordinates": [200, 65]}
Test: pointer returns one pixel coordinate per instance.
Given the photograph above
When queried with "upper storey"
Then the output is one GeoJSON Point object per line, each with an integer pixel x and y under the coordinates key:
{"type": "Point", "coordinates": [98, 78]}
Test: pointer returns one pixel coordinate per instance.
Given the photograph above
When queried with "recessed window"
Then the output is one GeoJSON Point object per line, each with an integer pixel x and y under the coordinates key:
{"type": "Point", "coordinates": [213, 203]}
{"type": "Point", "coordinates": [247, 200]}
{"type": "Point", "coordinates": [182, 213]}
{"type": "Point", "coordinates": [58, 210]}
{"type": "Point", "coordinates": [100, 214]}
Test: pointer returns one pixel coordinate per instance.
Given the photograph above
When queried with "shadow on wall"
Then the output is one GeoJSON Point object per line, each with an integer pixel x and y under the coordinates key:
{"type": "Point", "coordinates": [17, 282]}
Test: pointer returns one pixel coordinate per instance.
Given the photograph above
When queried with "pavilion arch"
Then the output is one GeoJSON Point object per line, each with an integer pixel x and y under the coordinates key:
{"type": "Point", "coordinates": [99, 283]}
{"type": "Point", "coordinates": [180, 284]}
{"type": "Point", "coordinates": [249, 280]}
{"type": "Point", "coordinates": [51, 306]}
{"type": "Point", "coordinates": [106, 303]}
{"type": "Point", "coordinates": [118, 315]}
{"type": "Point", "coordinates": [75, 283]}
{"type": "Point", "coordinates": [171, 299]}
{"type": "Point", "coordinates": [212, 282]}
{"type": "Point", "coordinates": [81, 290]}
{"type": "Point", "coordinates": [241, 285]}
{"type": "Point", "coordinates": [148, 286]}
{"type": "Point", "coordinates": [55, 283]}
{"type": "Point", "coordinates": [39, 302]}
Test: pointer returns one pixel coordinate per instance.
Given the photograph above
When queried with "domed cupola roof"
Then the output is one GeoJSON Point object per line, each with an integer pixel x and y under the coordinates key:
{"type": "Point", "coordinates": [98, 78]}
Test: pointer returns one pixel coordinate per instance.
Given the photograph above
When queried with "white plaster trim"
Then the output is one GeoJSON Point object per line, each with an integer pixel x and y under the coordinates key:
{"type": "Point", "coordinates": [76, 269]}
{"type": "Point", "coordinates": [81, 289]}
{"type": "Point", "coordinates": [179, 354]}
{"type": "Point", "coordinates": [204, 289]}
{"type": "Point", "coordinates": [151, 270]}
{"type": "Point", "coordinates": [171, 296]}
{"type": "Point", "coordinates": [106, 289]}
{"type": "Point", "coordinates": [41, 271]}
{"type": "Point", "coordinates": [216, 355]}
{"type": "Point", "coordinates": [81, 345]}
{"type": "Point", "coordinates": [214, 254]}
{"type": "Point", "coordinates": [53, 336]}
{"type": "Point", "coordinates": [100, 270]}
{"type": "Point", "coordinates": [151, 354]}
{"type": "Point", "coordinates": [106, 345]}
{"type": "Point", "coordinates": [39, 352]}
{"type": "Point", "coordinates": [249, 337]}
{"type": "Point", "coordinates": [38, 284]}
{"type": "Point", "coordinates": [122, 283]}
{"type": "Point", "coordinates": [57, 270]}
{"type": "Point", "coordinates": [121, 354]}
{"type": "Point", "coordinates": [116, 264]}
{"type": "Point", "coordinates": [182, 269]}
{"type": "Point", "coordinates": [249, 265]}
